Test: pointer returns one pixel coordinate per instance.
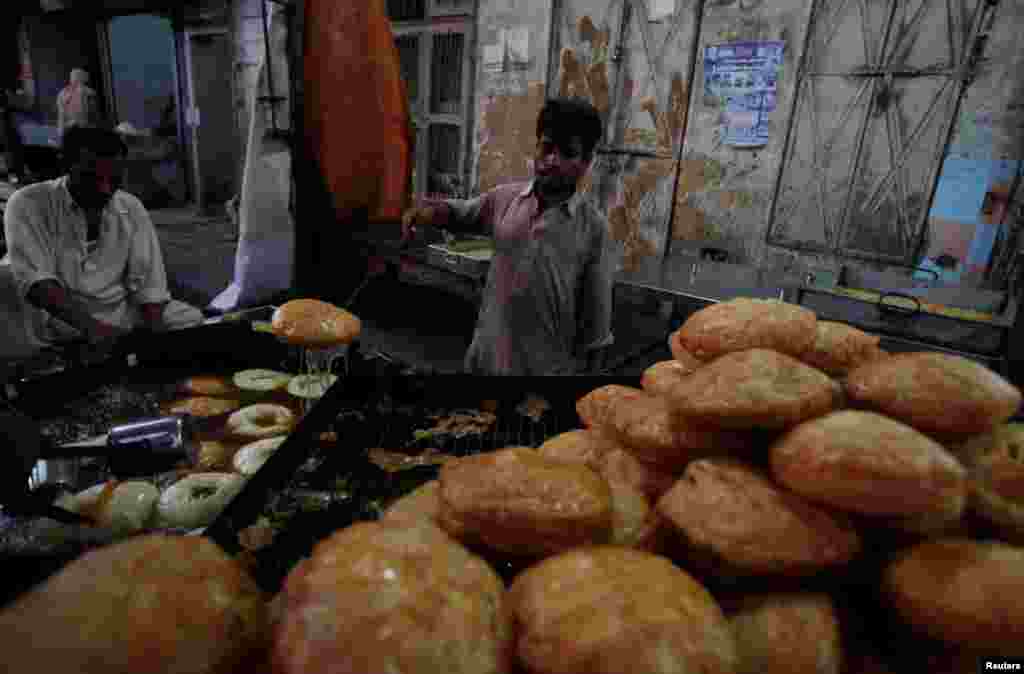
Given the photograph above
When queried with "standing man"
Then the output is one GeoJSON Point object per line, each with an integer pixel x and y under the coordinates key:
{"type": "Point", "coordinates": [77, 103]}
{"type": "Point", "coordinates": [85, 254]}
{"type": "Point", "coordinates": [548, 301]}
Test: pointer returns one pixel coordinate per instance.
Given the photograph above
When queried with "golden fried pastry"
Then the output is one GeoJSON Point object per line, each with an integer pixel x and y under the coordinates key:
{"type": "Point", "coordinates": [866, 463]}
{"type": "Point", "coordinates": [744, 323]}
{"type": "Point", "coordinates": [646, 425]}
{"type": "Point", "coordinates": [754, 389]}
{"type": "Point", "coordinates": [787, 634]}
{"type": "Point", "coordinates": [675, 346]}
{"type": "Point", "coordinates": [962, 592]}
{"type": "Point", "coordinates": [610, 610]}
{"type": "Point", "coordinates": [731, 513]}
{"type": "Point", "coordinates": [619, 465]}
{"type": "Point", "coordinates": [214, 386]}
{"type": "Point", "coordinates": [997, 483]}
{"type": "Point", "coordinates": [935, 392]}
{"type": "Point", "coordinates": [839, 348]}
{"type": "Point", "coordinates": [517, 501]}
{"type": "Point", "coordinates": [314, 324]}
{"type": "Point", "coordinates": [392, 596]}
{"type": "Point", "coordinates": [153, 603]}
{"type": "Point", "coordinates": [634, 522]}
{"type": "Point", "coordinates": [604, 454]}
{"type": "Point", "coordinates": [586, 446]}
{"type": "Point", "coordinates": [203, 407]}
{"type": "Point", "coordinates": [661, 377]}
{"type": "Point", "coordinates": [595, 408]}
{"type": "Point", "coordinates": [423, 502]}
{"type": "Point", "coordinates": [216, 455]}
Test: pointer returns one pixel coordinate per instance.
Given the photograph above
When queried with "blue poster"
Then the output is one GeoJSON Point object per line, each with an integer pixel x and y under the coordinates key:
{"type": "Point", "coordinates": [743, 76]}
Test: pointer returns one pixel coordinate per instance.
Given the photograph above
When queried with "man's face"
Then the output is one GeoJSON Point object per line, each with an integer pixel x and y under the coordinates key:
{"type": "Point", "coordinates": [559, 165]}
{"type": "Point", "coordinates": [93, 179]}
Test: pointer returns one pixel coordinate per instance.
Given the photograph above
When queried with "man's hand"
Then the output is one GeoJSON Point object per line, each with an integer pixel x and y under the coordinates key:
{"type": "Point", "coordinates": [416, 217]}
{"type": "Point", "coordinates": [152, 317]}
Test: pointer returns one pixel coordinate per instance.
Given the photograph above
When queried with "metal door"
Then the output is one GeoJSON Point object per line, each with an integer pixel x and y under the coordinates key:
{"type": "Point", "coordinates": [633, 60]}
{"type": "Point", "coordinates": [210, 115]}
{"type": "Point", "coordinates": [880, 87]}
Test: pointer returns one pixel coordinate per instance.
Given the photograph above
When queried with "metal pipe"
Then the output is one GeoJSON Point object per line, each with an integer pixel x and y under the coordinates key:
{"type": "Point", "coordinates": [964, 72]}
{"type": "Point", "coordinates": [268, 65]}
{"type": "Point", "coordinates": [788, 143]}
{"type": "Point", "coordinates": [694, 52]}
{"type": "Point", "coordinates": [858, 153]}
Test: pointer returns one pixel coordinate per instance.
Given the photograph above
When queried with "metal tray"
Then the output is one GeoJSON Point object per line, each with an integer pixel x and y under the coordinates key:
{"type": "Point", "coordinates": [898, 316]}
{"type": "Point", "coordinates": [473, 265]}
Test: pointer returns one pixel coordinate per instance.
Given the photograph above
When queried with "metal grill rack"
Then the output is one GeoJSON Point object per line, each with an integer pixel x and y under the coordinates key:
{"type": "Point", "coordinates": [334, 487]}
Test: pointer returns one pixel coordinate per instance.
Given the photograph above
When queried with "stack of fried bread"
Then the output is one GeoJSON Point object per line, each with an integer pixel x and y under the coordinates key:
{"type": "Point", "coordinates": [782, 496]}
{"type": "Point", "coordinates": [713, 520]}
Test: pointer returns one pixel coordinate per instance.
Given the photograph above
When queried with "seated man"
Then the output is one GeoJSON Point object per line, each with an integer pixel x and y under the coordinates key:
{"type": "Point", "coordinates": [84, 254]}
{"type": "Point", "coordinates": [547, 307]}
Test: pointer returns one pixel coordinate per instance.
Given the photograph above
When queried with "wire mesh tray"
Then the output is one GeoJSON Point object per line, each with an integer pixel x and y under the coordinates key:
{"type": "Point", "coordinates": [309, 488]}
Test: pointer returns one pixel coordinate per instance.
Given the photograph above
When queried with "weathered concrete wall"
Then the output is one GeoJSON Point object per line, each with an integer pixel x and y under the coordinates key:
{"type": "Point", "coordinates": [990, 127]}
{"type": "Point", "coordinates": [725, 193]}
{"type": "Point", "coordinates": [512, 64]}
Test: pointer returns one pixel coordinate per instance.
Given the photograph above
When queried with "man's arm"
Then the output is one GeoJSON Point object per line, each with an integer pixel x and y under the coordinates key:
{"type": "Point", "coordinates": [32, 250]}
{"type": "Point", "coordinates": [146, 277]}
{"type": "Point", "coordinates": [455, 215]}
{"type": "Point", "coordinates": [51, 296]}
{"type": "Point", "coordinates": [595, 312]}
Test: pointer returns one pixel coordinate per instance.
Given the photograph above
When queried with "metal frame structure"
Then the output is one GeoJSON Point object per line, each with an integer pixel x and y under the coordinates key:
{"type": "Point", "coordinates": [876, 78]}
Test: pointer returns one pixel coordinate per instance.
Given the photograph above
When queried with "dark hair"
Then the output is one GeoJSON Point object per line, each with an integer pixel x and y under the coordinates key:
{"type": "Point", "coordinates": [563, 118]}
{"type": "Point", "coordinates": [104, 142]}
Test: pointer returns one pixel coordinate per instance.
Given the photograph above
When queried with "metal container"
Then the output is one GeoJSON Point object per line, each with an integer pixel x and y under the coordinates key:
{"type": "Point", "coordinates": [172, 435]}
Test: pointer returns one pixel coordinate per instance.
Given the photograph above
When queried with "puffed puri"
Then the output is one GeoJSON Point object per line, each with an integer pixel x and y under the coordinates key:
{"type": "Point", "coordinates": [516, 501]}
{"type": "Point", "coordinates": [839, 348]}
{"type": "Point", "coordinates": [154, 603]}
{"type": "Point", "coordinates": [936, 393]}
{"type": "Point", "coordinates": [745, 323]}
{"type": "Point", "coordinates": [964, 592]}
{"type": "Point", "coordinates": [603, 453]}
{"type": "Point", "coordinates": [396, 595]}
{"type": "Point", "coordinates": [866, 463]}
{"type": "Point", "coordinates": [609, 610]}
{"type": "Point", "coordinates": [651, 430]}
{"type": "Point", "coordinates": [733, 520]}
{"type": "Point", "coordinates": [314, 324]}
{"type": "Point", "coordinates": [787, 633]}
{"type": "Point", "coordinates": [754, 389]}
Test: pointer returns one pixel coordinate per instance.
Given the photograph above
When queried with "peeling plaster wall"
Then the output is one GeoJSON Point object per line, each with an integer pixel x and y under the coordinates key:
{"type": "Point", "coordinates": [250, 47]}
{"type": "Point", "coordinates": [724, 193]}
{"type": "Point", "coordinates": [509, 93]}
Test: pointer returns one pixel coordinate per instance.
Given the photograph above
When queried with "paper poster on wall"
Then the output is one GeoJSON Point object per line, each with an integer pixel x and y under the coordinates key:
{"type": "Point", "coordinates": [961, 189]}
{"type": "Point", "coordinates": [743, 77]}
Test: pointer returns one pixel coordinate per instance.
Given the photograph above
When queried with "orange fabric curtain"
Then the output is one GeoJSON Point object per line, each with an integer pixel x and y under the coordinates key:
{"type": "Point", "coordinates": [356, 110]}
